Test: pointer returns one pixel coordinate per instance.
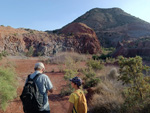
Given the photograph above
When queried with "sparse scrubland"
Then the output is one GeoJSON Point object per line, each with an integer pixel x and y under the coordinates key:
{"type": "Point", "coordinates": [123, 88]}
{"type": "Point", "coordinates": [120, 88]}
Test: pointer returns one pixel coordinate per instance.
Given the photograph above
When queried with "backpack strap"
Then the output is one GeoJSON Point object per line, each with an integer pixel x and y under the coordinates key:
{"type": "Point", "coordinates": [35, 78]}
{"type": "Point", "coordinates": [74, 109]}
{"type": "Point", "coordinates": [29, 77]}
{"type": "Point", "coordinates": [79, 93]}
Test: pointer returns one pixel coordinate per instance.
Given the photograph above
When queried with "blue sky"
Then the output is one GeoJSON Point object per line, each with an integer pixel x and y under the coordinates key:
{"type": "Point", "coordinates": [53, 14]}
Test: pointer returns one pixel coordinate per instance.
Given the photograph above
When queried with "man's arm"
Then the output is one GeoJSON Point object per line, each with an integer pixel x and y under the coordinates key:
{"type": "Point", "coordinates": [70, 108]}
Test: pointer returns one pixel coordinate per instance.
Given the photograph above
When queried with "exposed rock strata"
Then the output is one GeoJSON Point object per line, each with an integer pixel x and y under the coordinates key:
{"type": "Point", "coordinates": [19, 41]}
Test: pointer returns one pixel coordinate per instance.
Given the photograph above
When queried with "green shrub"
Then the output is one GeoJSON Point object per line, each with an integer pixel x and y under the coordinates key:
{"type": "Point", "coordinates": [68, 75]}
{"type": "Point", "coordinates": [39, 53]}
{"type": "Point", "coordinates": [70, 72]}
{"type": "Point", "coordinates": [91, 82]}
{"type": "Point", "coordinates": [8, 90]}
{"type": "Point", "coordinates": [66, 91]}
{"type": "Point", "coordinates": [138, 85]}
{"type": "Point", "coordinates": [15, 34]}
{"type": "Point", "coordinates": [3, 54]}
{"type": "Point", "coordinates": [30, 51]}
{"type": "Point", "coordinates": [106, 53]}
{"type": "Point", "coordinates": [103, 56]}
{"type": "Point", "coordinates": [90, 78]}
{"type": "Point", "coordinates": [95, 64]}
{"type": "Point", "coordinates": [110, 60]}
{"type": "Point", "coordinates": [95, 57]}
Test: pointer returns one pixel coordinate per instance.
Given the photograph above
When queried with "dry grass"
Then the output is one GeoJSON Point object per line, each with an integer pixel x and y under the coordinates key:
{"type": "Point", "coordinates": [113, 74]}
{"type": "Point", "coordinates": [107, 96]}
{"type": "Point", "coordinates": [61, 58]}
{"type": "Point", "coordinates": [105, 71]}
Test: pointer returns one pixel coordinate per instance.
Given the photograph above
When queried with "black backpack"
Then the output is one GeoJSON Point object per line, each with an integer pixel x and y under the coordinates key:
{"type": "Point", "coordinates": [31, 98]}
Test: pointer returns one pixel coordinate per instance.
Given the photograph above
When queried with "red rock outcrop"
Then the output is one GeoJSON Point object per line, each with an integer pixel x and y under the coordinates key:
{"type": "Point", "coordinates": [140, 47]}
{"type": "Point", "coordinates": [82, 38]}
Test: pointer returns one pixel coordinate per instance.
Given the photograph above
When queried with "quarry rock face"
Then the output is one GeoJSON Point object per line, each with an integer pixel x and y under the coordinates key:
{"type": "Point", "coordinates": [11, 41]}
{"type": "Point", "coordinates": [19, 41]}
{"type": "Point", "coordinates": [82, 38]}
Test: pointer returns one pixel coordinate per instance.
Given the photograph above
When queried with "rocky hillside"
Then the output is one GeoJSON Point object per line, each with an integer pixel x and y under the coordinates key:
{"type": "Point", "coordinates": [140, 47]}
{"type": "Point", "coordinates": [81, 36]}
{"type": "Point", "coordinates": [23, 41]}
{"type": "Point", "coordinates": [113, 25]}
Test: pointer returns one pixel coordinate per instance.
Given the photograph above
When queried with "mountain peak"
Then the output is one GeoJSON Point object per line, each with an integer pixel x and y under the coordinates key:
{"type": "Point", "coordinates": [106, 18]}
{"type": "Point", "coordinates": [107, 9]}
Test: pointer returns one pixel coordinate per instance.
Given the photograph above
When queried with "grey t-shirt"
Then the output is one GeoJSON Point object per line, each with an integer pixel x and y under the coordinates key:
{"type": "Point", "coordinates": [44, 84]}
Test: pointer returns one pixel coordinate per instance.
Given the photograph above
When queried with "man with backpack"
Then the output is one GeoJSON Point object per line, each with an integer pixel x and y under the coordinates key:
{"type": "Point", "coordinates": [35, 93]}
{"type": "Point", "coordinates": [77, 99]}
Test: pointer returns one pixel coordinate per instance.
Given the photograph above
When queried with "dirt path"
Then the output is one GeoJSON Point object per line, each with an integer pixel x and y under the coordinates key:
{"type": "Point", "coordinates": [25, 67]}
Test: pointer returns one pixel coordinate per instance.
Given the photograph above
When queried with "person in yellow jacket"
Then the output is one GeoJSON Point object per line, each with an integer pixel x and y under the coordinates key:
{"type": "Point", "coordinates": [74, 97]}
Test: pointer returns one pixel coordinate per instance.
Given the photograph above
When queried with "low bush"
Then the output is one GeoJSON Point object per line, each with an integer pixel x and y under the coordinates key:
{"type": "Point", "coordinates": [108, 50]}
{"type": "Point", "coordinates": [106, 53]}
{"type": "Point", "coordinates": [70, 74]}
{"type": "Point", "coordinates": [103, 56]}
{"type": "Point", "coordinates": [3, 54]}
{"type": "Point", "coordinates": [95, 64]}
{"type": "Point", "coordinates": [30, 52]}
{"type": "Point", "coordinates": [138, 85]}
{"type": "Point", "coordinates": [66, 91]}
{"type": "Point", "coordinates": [110, 60]}
{"type": "Point", "coordinates": [8, 90]}
{"type": "Point", "coordinates": [89, 77]}
{"type": "Point", "coordinates": [95, 57]}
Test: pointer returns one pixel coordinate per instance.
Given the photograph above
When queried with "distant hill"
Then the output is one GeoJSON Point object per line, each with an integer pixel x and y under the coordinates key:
{"type": "Point", "coordinates": [113, 25]}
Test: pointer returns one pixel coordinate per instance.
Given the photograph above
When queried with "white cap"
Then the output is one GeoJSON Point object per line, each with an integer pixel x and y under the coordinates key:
{"type": "Point", "coordinates": [39, 65]}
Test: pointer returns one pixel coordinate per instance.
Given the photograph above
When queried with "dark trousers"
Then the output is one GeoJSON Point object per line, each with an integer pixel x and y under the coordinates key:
{"type": "Point", "coordinates": [43, 112]}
